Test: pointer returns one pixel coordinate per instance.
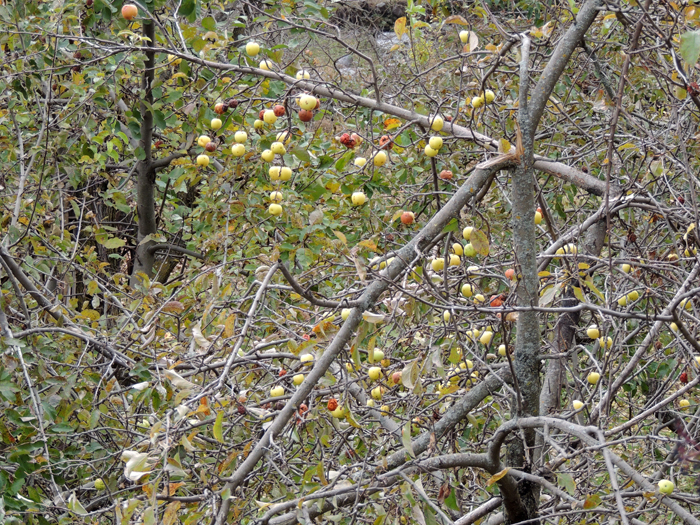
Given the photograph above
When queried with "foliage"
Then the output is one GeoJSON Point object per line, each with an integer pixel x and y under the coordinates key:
{"type": "Point", "coordinates": [161, 383]}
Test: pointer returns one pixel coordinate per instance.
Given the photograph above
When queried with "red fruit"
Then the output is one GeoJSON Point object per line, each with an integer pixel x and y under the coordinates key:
{"type": "Point", "coordinates": [356, 138]}
{"type": "Point", "coordinates": [396, 377]}
{"type": "Point", "coordinates": [683, 377]}
{"type": "Point", "coordinates": [681, 200]}
{"type": "Point", "coordinates": [318, 104]}
{"type": "Point", "coordinates": [241, 410]}
{"type": "Point", "coordinates": [279, 110]}
{"type": "Point", "coordinates": [303, 408]}
{"type": "Point", "coordinates": [89, 3]}
{"type": "Point", "coordinates": [448, 118]}
{"type": "Point", "coordinates": [283, 373]}
{"type": "Point", "coordinates": [261, 114]}
{"type": "Point", "coordinates": [446, 175]}
{"type": "Point", "coordinates": [232, 104]}
{"type": "Point", "coordinates": [305, 115]}
{"type": "Point", "coordinates": [407, 217]}
{"type": "Point", "coordinates": [693, 89]}
{"type": "Point", "coordinates": [220, 108]}
{"type": "Point", "coordinates": [510, 274]}
{"type": "Point", "coordinates": [129, 11]}
{"type": "Point", "coordinates": [210, 147]}
{"type": "Point", "coordinates": [332, 404]}
{"type": "Point", "coordinates": [497, 300]}
{"type": "Point", "coordinates": [539, 209]}
{"type": "Point", "coordinates": [344, 138]}
{"type": "Point", "coordinates": [385, 142]}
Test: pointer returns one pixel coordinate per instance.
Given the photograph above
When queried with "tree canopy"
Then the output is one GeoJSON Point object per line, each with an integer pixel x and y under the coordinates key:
{"type": "Point", "coordinates": [269, 262]}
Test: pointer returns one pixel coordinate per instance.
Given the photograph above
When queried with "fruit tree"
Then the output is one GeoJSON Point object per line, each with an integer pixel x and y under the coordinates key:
{"type": "Point", "coordinates": [280, 262]}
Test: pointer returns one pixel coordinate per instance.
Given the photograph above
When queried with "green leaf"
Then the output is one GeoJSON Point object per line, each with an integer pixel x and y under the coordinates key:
{"type": "Point", "coordinates": [209, 24]}
{"type": "Point", "coordinates": [690, 47]}
{"type": "Point", "coordinates": [159, 119]}
{"type": "Point", "coordinates": [114, 243]}
{"type": "Point", "coordinates": [451, 501]}
{"type": "Point", "coordinates": [314, 191]}
{"type": "Point", "coordinates": [592, 501]}
{"type": "Point", "coordinates": [567, 481]}
{"type": "Point", "coordinates": [480, 242]}
{"type": "Point", "coordinates": [451, 226]}
{"type": "Point", "coordinates": [187, 8]}
{"type": "Point", "coordinates": [301, 154]}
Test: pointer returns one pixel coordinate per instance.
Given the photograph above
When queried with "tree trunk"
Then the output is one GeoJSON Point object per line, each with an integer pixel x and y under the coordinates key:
{"type": "Point", "coordinates": [144, 257]}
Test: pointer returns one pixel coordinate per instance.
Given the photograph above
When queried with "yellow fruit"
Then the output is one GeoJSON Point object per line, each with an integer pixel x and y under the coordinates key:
{"type": "Point", "coordinates": [593, 378]}
{"type": "Point", "coordinates": [258, 124]}
{"type": "Point", "coordinates": [277, 391]}
{"type": "Point", "coordinates": [455, 260]}
{"type": "Point", "coordinates": [478, 298]}
{"type": "Point", "coordinates": [377, 393]}
{"type": "Point", "coordinates": [265, 65]}
{"type": "Point", "coordinates": [370, 403]}
{"type": "Point", "coordinates": [538, 219]}
{"type": "Point", "coordinates": [338, 413]}
{"type": "Point", "coordinates": [360, 162]}
{"type": "Point", "coordinates": [485, 338]}
{"type": "Point", "coordinates": [438, 264]}
{"type": "Point", "coordinates": [374, 372]}
{"type": "Point", "coordinates": [606, 343]}
{"type": "Point", "coordinates": [633, 295]}
{"type": "Point", "coordinates": [278, 148]}
{"type": "Point", "coordinates": [626, 268]}
{"type": "Point", "coordinates": [622, 301]}
{"type": "Point", "coordinates": [666, 486]}
{"type": "Point", "coordinates": [578, 405]}
{"type": "Point", "coordinates": [469, 250]}
{"type": "Point", "coordinates": [467, 233]}
{"type": "Point", "coordinates": [472, 269]}
{"type": "Point", "coordinates": [99, 484]}
{"type": "Point", "coordinates": [377, 355]}
{"type": "Point", "coordinates": [275, 209]}
{"type": "Point", "coordinates": [238, 150]}
{"type": "Point", "coordinates": [430, 152]}
{"type": "Point", "coordinates": [379, 159]}
{"type": "Point", "coordinates": [306, 359]}
{"type": "Point", "coordinates": [458, 249]}
{"type": "Point", "coordinates": [435, 143]}
{"type": "Point", "coordinates": [267, 156]}
{"type": "Point", "coordinates": [285, 173]}
{"type": "Point", "coordinates": [464, 36]}
{"type": "Point", "coordinates": [560, 251]}
{"type": "Point", "coordinates": [302, 74]}
{"type": "Point", "coordinates": [274, 172]}
{"type": "Point", "coordinates": [437, 123]}
{"type": "Point", "coordinates": [276, 196]}
{"type": "Point", "coordinates": [446, 316]}
{"type": "Point", "coordinates": [685, 303]}
{"type": "Point", "coordinates": [502, 350]}
{"type": "Point", "coordinates": [489, 96]}
{"type": "Point", "coordinates": [172, 59]}
{"type": "Point", "coordinates": [240, 137]}
{"type": "Point", "coordinates": [467, 290]}
{"type": "Point", "coordinates": [252, 48]}
{"type": "Point", "coordinates": [674, 327]}
{"type": "Point", "coordinates": [307, 102]}
{"type": "Point", "coordinates": [203, 160]}
{"type": "Point", "coordinates": [298, 379]}
{"type": "Point", "coordinates": [469, 364]}
{"type": "Point", "coordinates": [672, 257]}
{"type": "Point", "coordinates": [684, 403]}
{"type": "Point", "coordinates": [215, 123]}
{"type": "Point", "coordinates": [697, 360]}
{"type": "Point", "coordinates": [345, 313]}
{"type": "Point", "coordinates": [269, 117]}
{"type": "Point", "coordinates": [477, 102]}
{"type": "Point", "coordinates": [358, 198]}
{"type": "Point", "coordinates": [203, 140]}
{"type": "Point", "coordinates": [385, 409]}
{"type": "Point", "coordinates": [593, 332]}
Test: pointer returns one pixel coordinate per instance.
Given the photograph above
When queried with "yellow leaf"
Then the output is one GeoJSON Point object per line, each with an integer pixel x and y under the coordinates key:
{"type": "Point", "coordinates": [173, 307]}
{"type": "Point", "coordinates": [218, 427]}
{"type": "Point", "coordinates": [93, 315]}
{"type": "Point", "coordinates": [395, 47]}
{"type": "Point", "coordinates": [493, 479]}
{"type": "Point", "coordinates": [503, 146]}
{"type": "Point", "coordinates": [178, 75]}
{"type": "Point", "coordinates": [229, 325]}
{"type": "Point", "coordinates": [400, 27]}
{"type": "Point", "coordinates": [480, 242]}
{"type": "Point", "coordinates": [341, 236]}
{"type": "Point", "coordinates": [456, 19]}
{"type": "Point", "coordinates": [391, 123]}
{"type": "Point", "coordinates": [369, 245]}
{"type": "Point", "coordinates": [170, 514]}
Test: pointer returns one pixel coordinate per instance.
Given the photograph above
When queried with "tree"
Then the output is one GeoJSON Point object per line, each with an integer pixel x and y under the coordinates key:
{"type": "Point", "coordinates": [325, 277]}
